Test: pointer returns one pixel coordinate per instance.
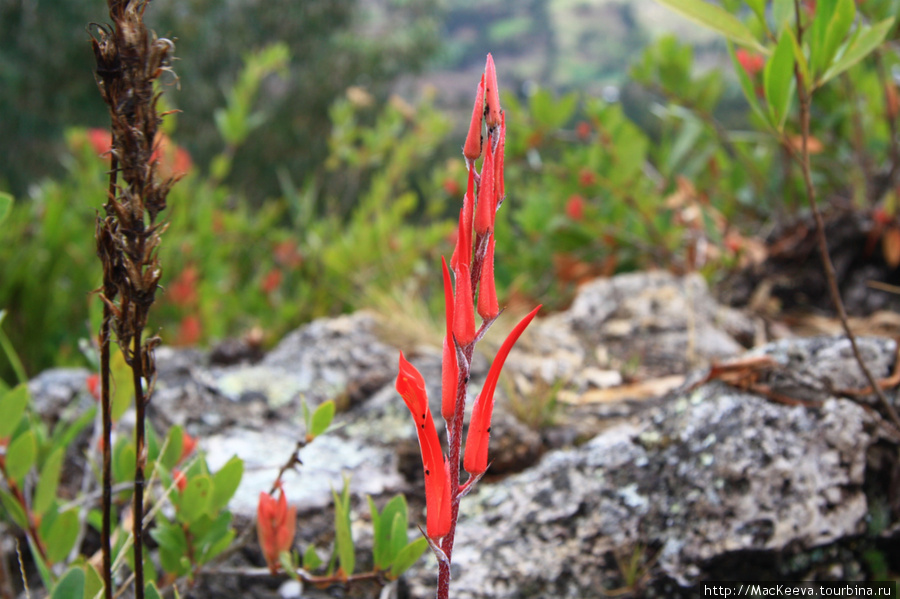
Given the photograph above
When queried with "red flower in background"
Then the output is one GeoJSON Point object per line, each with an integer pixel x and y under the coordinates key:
{"type": "Point", "coordinates": [275, 527]}
{"type": "Point", "coordinates": [93, 385]}
{"type": "Point", "coordinates": [575, 208]}
{"type": "Point", "coordinates": [172, 159]}
{"type": "Point", "coordinates": [271, 282]}
{"type": "Point", "coordinates": [189, 331]}
{"type": "Point", "coordinates": [188, 444]}
{"type": "Point", "coordinates": [751, 62]}
{"type": "Point", "coordinates": [583, 130]}
{"type": "Point", "coordinates": [183, 290]}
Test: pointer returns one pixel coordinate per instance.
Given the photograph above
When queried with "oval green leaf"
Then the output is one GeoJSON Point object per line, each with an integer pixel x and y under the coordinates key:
{"type": "Point", "coordinates": [322, 418]}
{"type": "Point", "coordinates": [70, 586]}
{"type": "Point", "coordinates": [62, 536]}
{"type": "Point", "coordinates": [14, 509]}
{"type": "Point", "coordinates": [12, 407]}
{"type": "Point", "coordinates": [225, 483]}
{"type": "Point", "coordinates": [195, 498]}
{"type": "Point", "coordinates": [407, 556]}
{"type": "Point", "coordinates": [20, 456]}
{"type": "Point", "coordinates": [45, 492]}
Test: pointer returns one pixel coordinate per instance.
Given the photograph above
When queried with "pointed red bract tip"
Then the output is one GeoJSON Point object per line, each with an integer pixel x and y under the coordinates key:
{"type": "Point", "coordinates": [484, 210]}
{"type": "Point", "coordinates": [491, 95]}
{"type": "Point", "coordinates": [472, 147]}
{"type": "Point", "coordinates": [411, 386]}
{"type": "Point", "coordinates": [464, 234]}
{"type": "Point", "coordinates": [464, 308]}
{"type": "Point", "coordinates": [478, 438]}
{"type": "Point", "coordinates": [275, 527]}
{"type": "Point", "coordinates": [487, 292]}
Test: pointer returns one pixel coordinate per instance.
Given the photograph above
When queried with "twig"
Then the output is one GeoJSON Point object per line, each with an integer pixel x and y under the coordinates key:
{"type": "Point", "coordinates": [833, 289]}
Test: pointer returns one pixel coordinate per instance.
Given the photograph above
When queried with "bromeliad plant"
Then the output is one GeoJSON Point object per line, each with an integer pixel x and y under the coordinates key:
{"type": "Point", "coordinates": [473, 268]}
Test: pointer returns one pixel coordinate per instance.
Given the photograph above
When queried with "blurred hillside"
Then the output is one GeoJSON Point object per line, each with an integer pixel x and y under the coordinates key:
{"type": "Point", "coordinates": [379, 45]}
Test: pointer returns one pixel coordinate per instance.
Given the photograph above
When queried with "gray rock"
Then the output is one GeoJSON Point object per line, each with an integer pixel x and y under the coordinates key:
{"type": "Point", "coordinates": [708, 476]}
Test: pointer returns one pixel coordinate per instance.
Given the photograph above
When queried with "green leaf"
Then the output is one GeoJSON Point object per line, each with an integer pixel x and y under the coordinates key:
{"type": "Point", "coordinates": [343, 539]}
{"type": "Point", "coordinates": [6, 202]}
{"type": "Point", "coordinates": [123, 462]}
{"type": "Point", "coordinates": [398, 534]}
{"type": "Point", "coordinates": [838, 27]}
{"type": "Point", "coordinates": [45, 492]}
{"type": "Point", "coordinates": [783, 13]}
{"type": "Point", "coordinates": [12, 407]}
{"type": "Point", "coordinates": [120, 387]}
{"type": "Point", "coordinates": [14, 509]}
{"type": "Point", "coordinates": [389, 544]}
{"type": "Point", "coordinates": [70, 585]}
{"type": "Point", "coordinates": [377, 547]}
{"type": "Point", "coordinates": [286, 559]}
{"type": "Point", "coordinates": [778, 79]}
{"type": "Point", "coordinates": [195, 498]}
{"type": "Point", "coordinates": [43, 569]}
{"type": "Point", "coordinates": [93, 582]}
{"type": "Point", "coordinates": [62, 536]}
{"type": "Point", "coordinates": [20, 456]}
{"type": "Point", "coordinates": [151, 592]}
{"type": "Point", "coordinates": [866, 40]}
{"type": "Point", "coordinates": [716, 18]}
{"type": "Point", "coordinates": [173, 445]}
{"type": "Point", "coordinates": [407, 556]}
{"type": "Point", "coordinates": [746, 83]}
{"type": "Point", "coordinates": [172, 545]}
{"type": "Point", "coordinates": [311, 559]}
{"type": "Point", "coordinates": [216, 548]}
{"type": "Point", "coordinates": [759, 8]}
{"type": "Point", "coordinates": [800, 59]}
{"type": "Point", "coordinates": [322, 418]}
{"type": "Point", "coordinates": [225, 483]}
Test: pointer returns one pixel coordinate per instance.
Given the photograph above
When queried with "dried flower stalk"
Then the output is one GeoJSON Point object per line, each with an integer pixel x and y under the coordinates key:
{"type": "Point", "coordinates": [129, 60]}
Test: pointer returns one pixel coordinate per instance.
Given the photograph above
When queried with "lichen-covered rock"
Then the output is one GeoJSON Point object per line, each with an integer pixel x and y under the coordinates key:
{"type": "Point", "coordinates": [712, 474]}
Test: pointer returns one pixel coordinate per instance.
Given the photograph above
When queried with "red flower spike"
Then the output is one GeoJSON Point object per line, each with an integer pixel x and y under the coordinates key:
{"type": "Point", "coordinates": [411, 387]}
{"type": "Point", "coordinates": [487, 294]}
{"type": "Point", "coordinates": [449, 368]}
{"type": "Point", "coordinates": [275, 527]}
{"type": "Point", "coordinates": [463, 310]}
{"type": "Point", "coordinates": [491, 94]}
{"type": "Point", "coordinates": [464, 235]}
{"type": "Point", "coordinates": [484, 210]}
{"type": "Point", "coordinates": [472, 147]}
{"type": "Point", "coordinates": [479, 436]}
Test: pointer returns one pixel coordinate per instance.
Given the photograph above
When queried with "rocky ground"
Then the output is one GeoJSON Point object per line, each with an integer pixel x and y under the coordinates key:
{"type": "Point", "coordinates": [623, 464]}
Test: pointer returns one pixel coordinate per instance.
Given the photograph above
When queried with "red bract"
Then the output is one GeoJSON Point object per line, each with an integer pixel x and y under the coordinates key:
{"type": "Point", "coordinates": [499, 183]}
{"type": "Point", "coordinates": [484, 210]}
{"type": "Point", "coordinates": [472, 147]}
{"type": "Point", "coordinates": [188, 444]}
{"type": "Point", "coordinates": [487, 294]}
{"type": "Point", "coordinates": [275, 526]}
{"type": "Point", "coordinates": [491, 94]}
{"type": "Point", "coordinates": [478, 438]}
{"type": "Point", "coordinates": [463, 246]}
{"type": "Point", "coordinates": [449, 367]}
{"type": "Point", "coordinates": [464, 307]}
{"type": "Point", "coordinates": [411, 386]}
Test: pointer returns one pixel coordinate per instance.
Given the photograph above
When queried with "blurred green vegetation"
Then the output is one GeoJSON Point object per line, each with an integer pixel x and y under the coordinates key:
{"type": "Point", "coordinates": [680, 175]}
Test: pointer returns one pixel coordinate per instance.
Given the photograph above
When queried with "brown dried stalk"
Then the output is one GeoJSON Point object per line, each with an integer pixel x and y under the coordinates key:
{"type": "Point", "coordinates": [129, 60]}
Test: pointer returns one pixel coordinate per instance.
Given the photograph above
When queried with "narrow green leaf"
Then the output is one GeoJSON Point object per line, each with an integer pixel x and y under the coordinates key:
{"type": "Point", "coordinates": [12, 407]}
{"type": "Point", "coordinates": [778, 79]}
{"type": "Point", "coordinates": [746, 84]}
{"type": "Point", "coordinates": [867, 39]}
{"type": "Point", "coordinates": [377, 543]}
{"type": "Point", "coordinates": [716, 18]}
{"type": "Point", "coordinates": [62, 536]}
{"type": "Point", "coordinates": [407, 556]}
{"type": "Point", "coordinates": [20, 456]}
{"type": "Point", "coordinates": [173, 445]}
{"type": "Point", "coordinates": [838, 27]}
{"type": "Point", "coordinates": [151, 592]}
{"type": "Point", "coordinates": [343, 539]}
{"type": "Point", "coordinates": [43, 569]}
{"type": "Point", "coordinates": [800, 59]}
{"type": "Point", "coordinates": [399, 538]}
{"type": "Point", "coordinates": [195, 498]}
{"type": "Point", "coordinates": [45, 492]}
{"type": "Point", "coordinates": [14, 509]}
{"type": "Point", "coordinates": [759, 8]}
{"type": "Point", "coordinates": [783, 14]}
{"type": "Point", "coordinates": [70, 585]}
{"type": "Point", "coordinates": [311, 559]}
{"type": "Point", "coordinates": [6, 202]}
{"type": "Point", "coordinates": [225, 483]}
{"type": "Point", "coordinates": [286, 559]}
{"type": "Point", "coordinates": [322, 418]}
